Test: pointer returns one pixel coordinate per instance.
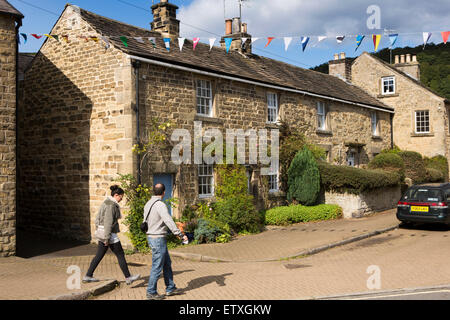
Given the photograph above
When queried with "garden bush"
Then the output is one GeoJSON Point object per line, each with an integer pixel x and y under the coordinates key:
{"type": "Point", "coordinates": [388, 162]}
{"type": "Point", "coordinates": [234, 206]}
{"type": "Point", "coordinates": [434, 175]}
{"type": "Point", "coordinates": [303, 178]}
{"type": "Point", "coordinates": [354, 180]}
{"type": "Point", "coordinates": [209, 230]}
{"type": "Point", "coordinates": [298, 213]}
{"type": "Point", "coordinates": [439, 163]}
{"type": "Point", "coordinates": [414, 166]}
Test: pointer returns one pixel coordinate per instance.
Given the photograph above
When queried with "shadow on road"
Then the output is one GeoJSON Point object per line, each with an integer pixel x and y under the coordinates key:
{"type": "Point", "coordinates": [424, 226]}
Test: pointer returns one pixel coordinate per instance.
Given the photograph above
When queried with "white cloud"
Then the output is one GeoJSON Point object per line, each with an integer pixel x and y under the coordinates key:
{"type": "Point", "coordinates": [312, 17]}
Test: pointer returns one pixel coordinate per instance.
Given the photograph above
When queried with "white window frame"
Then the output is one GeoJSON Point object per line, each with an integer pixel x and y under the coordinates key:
{"type": "Point", "coordinates": [351, 155]}
{"type": "Point", "coordinates": [205, 180]}
{"type": "Point", "coordinates": [321, 115]}
{"type": "Point", "coordinates": [374, 123]}
{"type": "Point", "coordinates": [421, 121]}
{"type": "Point", "coordinates": [204, 97]}
{"type": "Point", "coordinates": [393, 85]}
{"type": "Point", "coordinates": [272, 107]}
{"type": "Point", "coordinates": [274, 180]}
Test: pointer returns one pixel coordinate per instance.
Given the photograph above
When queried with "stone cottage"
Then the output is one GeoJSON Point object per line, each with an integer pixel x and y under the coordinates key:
{"type": "Point", "coordinates": [421, 121]}
{"type": "Point", "coordinates": [10, 22]}
{"type": "Point", "coordinates": [86, 102]}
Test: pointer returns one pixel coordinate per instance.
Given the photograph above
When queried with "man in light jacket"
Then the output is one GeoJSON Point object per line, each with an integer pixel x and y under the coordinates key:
{"type": "Point", "coordinates": [159, 221]}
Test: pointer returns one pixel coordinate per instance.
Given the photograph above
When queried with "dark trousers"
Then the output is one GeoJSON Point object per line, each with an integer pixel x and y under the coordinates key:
{"type": "Point", "coordinates": [101, 251]}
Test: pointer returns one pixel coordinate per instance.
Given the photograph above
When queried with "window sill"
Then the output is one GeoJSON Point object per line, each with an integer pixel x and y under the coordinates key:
{"type": "Point", "coordinates": [388, 95]}
{"type": "Point", "coordinates": [272, 125]}
{"type": "Point", "coordinates": [206, 196]}
{"type": "Point", "coordinates": [276, 194]}
{"type": "Point", "coordinates": [203, 118]}
{"type": "Point", "coordinates": [429, 134]}
{"type": "Point", "coordinates": [375, 137]}
{"type": "Point", "coordinates": [324, 132]}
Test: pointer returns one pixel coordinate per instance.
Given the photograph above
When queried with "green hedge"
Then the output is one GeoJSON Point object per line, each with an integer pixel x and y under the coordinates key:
{"type": "Point", "coordinates": [389, 162]}
{"type": "Point", "coordinates": [439, 163]}
{"type": "Point", "coordinates": [414, 166]}
{"type": "Point", "coordinates": [354, 180]}
{"type": "Point", "coordinates": [298, 213]}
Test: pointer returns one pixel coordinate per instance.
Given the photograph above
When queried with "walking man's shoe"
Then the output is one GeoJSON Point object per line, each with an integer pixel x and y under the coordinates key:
{"type": "Point", "coordinates": [132, 279]}
{"type": "Point", "coordinates": [174, 292]}
{"type": "Point", "coordinates": [154, 297]}
{"type": "Point", "coordinates": [89, 279]}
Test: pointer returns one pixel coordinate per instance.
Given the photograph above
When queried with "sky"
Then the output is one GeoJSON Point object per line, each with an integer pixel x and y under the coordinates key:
{"type": "Point", "coordinates": [270, 18]}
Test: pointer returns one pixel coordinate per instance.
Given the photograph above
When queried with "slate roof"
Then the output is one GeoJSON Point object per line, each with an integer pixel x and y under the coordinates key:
{"type": "Point", "coordinates": [253, 67]}
{"type": "Point", "coordinates": [6, 7]}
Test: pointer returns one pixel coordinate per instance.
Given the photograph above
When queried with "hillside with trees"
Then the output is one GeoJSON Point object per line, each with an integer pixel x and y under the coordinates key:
{"type": "Point", "coordinates": [434, 65]}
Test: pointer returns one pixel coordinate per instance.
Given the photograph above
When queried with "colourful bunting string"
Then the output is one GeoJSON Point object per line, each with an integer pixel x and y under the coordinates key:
{"type": "Point", "coordinates": [376, 40]}
{"type": "Point", "coordinates": [426, 37]}
{"type": "Point", "coordinates": [124, 41]}
{"type": "Point", "coordinates": [359, 40]}
{"type": "Point", "coordinates": [94, 39]}
{"type": "Point", "coordinates": [393, 39]}
{"type": "Point", "coordinates": [24, 37]}
{"type": "Point", "coordinates": [340, 39]}
{"type": "Point", "coordinates": [269, 40]}
{"type": "Point", "coordinates": [304, 41]}
{"type": "Point", "coordinates": [243, 41]}
{"type": "Point", "coordinates": [287, 42]}
{"type": "Point", "coordinates": [152, 41]}
{"type": "Point", "coordinates": [65, 38]}
{"type": "Point", "coordinates": [36, 36]}
{"type": "Point", "coordinates": [228, 43]}
{"type": "Point", "coordinates": [139, 39]}
{"type": "Point", "coordinates": [211, 43]}
{"type": "Point", "coordinates": [181, 43]}
{"type": "Point", "coordinates": [167, 43]}
{"type": "Point", "coordinates": [195, 42]}
{"type": "Point", "coordinates": [55, 37]}
{"type": "Point", "coordinates": [254, 39]}
{"type": "Point", "coordinates": [445, 35]}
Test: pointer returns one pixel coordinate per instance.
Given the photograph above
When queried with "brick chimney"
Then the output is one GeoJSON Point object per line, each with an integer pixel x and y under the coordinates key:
{"type": "Point", "coordinates": [341, 67]}
{"type": "Point", "coordinates": [165, 20]}
{"type": "Point", "coordinates": [236, 30]}
{"type": "Point", "coordinates": [408, 64]}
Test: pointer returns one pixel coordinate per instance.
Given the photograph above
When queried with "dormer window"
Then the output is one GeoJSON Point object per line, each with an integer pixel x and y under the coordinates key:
{"type": "Point", "coordinates": [388, 85]}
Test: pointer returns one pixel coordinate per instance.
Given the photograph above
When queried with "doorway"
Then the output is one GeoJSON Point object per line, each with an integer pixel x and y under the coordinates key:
{"type": "Point", "coordinates": [167, 180]}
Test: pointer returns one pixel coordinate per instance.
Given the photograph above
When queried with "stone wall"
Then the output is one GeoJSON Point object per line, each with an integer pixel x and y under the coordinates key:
{"type": "Point", "coordinates": [408, 98]}
{"type": "Point", "coordinates": [170, 94]}
{"type": "Point", "coordinates": [76, 131]}
{"type": "Point", "coordinates": [7, 136]}
{"type": "Point", "coordinates": [357, 206]}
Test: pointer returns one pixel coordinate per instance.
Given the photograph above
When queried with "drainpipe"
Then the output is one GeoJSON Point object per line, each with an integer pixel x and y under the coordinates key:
{"type": "Point", "coordinates": [19, 24]}
{"type": "Point", "coordinates": [136, 65]}
{"type": "Point", "coordinates": [392, 130]}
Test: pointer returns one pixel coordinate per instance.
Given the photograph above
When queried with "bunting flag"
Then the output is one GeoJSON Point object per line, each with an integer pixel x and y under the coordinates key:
{"type": "Point", "coordinates": [106, 41]}
{"type": "Point", "coordinates": [254, 39]}
{"type": "Point", "coordinates": [139, 39]}
{"type": "Point", "coordinates": [243, 41]}
{"type": "Point", "coordinates": [181, 43]}
{"type": "Point", "coordinates": [211, 43]}
{"type": "Point", "coordinates": [340, 39]}
{"type": "Point", "coordinates": [94, 39]}
{"type": "Point", "coordinates": [304, 41]}
{"type": "Point", "coordinates": [66, 38]}
{"type": "Point", "coordinates": [228, 43]}
{"type": "Point", "coordinates": [321, 38]}
{"type": "Point", "coordinates": [84, 37]}
{"type": "Point", "coordinates": [359, 40]}
{"type": "Point", "coordinates": [393, 39]}
{"type": "Point", "coordinates": [24, 37]}
{"type": "Point", "coordinates": [36, 36]}
{"type": "Point", "coordinates": [167, 43]}
{"type": "Point", "coordinates": [124, 41]}
{"type": "Point", "coordinates": [426, 37]}
{"type": "Point", "coordinates": [445, 35]}
{"type": "Point", "coordinates": [376, 40]}
{"type": "Point", "coordinates": [55, 37]}
{"type": "Point", "coordinates": [269, 40]}
{"type": "Point", "coordinates": [196, 41]}
{"type": "Point", "coordinates": [152, 41]}
{"type": "Point", "coordinates": [287, 42]}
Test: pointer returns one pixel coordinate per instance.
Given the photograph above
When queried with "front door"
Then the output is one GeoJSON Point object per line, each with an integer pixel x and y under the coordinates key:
{"type": "Point", "coordinates": [167, 180]}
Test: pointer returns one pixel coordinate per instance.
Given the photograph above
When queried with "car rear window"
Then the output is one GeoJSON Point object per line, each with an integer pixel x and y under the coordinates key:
{"type": "Point", "coordinates": [423, 194]}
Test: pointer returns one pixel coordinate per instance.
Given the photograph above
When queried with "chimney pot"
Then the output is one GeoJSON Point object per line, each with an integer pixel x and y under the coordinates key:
{"type": "Point", "coordinates": [408, 58]}
{"type": "Point", "coordinates": [397, 59]}
{"type": "Point", "coordinates": [414, 58]}
{"type": "Point", "coordinates": [342, 55]}
{"type": "Point", "coordinates": [244, 28]}
{"type": "Point", "coordinates": [402, 58]}
{"type": "Point", "coordinates": [228, 26]}
{"type": "Point", "coordinates": [336, 56]}
{"type": "Point", "coordinates": [236, 27]}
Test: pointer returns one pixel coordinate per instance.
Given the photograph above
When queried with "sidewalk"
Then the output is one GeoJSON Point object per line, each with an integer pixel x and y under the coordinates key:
{"type": "Point", "coordinates": [45, 277]}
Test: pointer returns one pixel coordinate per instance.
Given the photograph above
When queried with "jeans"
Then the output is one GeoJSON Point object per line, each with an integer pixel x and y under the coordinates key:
{"type": "Point", "coordinates": [160, 262]}
{"type": "Point", "coordinates": [101, 251]}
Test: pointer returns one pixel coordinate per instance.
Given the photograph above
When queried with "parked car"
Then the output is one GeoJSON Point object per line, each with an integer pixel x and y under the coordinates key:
{"type": "Point", "coordinates": [427, 203]}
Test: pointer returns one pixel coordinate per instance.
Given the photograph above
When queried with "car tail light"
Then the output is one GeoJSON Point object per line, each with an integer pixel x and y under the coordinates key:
{"type": "Point", "coordinates": [439, 205]}
{"type": "Point", "coordinates": [402, 204]}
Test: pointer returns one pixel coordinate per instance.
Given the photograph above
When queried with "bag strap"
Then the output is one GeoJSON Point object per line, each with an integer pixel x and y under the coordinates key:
{"type": "Point", "coordinates": [149, 211]}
